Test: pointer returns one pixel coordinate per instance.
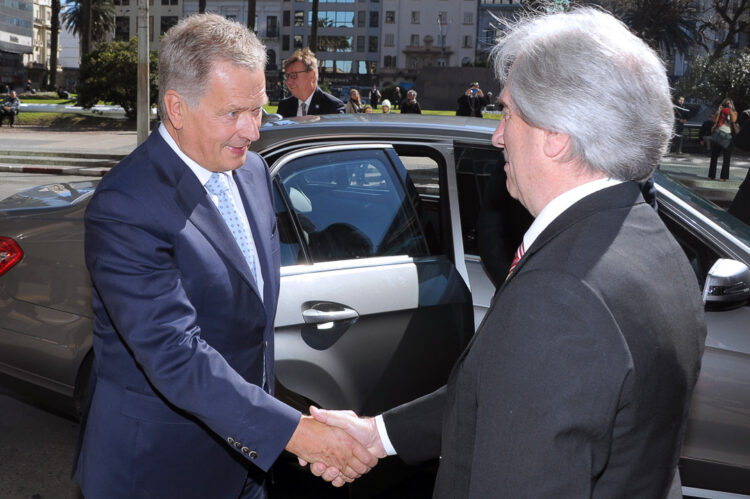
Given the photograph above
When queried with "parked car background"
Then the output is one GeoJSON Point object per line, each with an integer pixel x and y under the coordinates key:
{"type": "Point", "coordinates": [380, 271]}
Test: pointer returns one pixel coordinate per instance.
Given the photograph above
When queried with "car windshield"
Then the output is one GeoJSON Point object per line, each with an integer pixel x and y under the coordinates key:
{"type": "Point", "coordinates": [57, 195]}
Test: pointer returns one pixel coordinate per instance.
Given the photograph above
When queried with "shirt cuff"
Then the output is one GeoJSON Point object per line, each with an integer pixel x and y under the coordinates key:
{"type": "Point", "coordinates": [387, 445]}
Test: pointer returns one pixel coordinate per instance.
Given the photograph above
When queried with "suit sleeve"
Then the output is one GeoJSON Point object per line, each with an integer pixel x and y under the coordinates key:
{"type": "Point", "coordinates": [552, 371]}
{"type": "Point", "coordinates": [129, 257]}
{"type": "Point", "coordinates": [415, 428]}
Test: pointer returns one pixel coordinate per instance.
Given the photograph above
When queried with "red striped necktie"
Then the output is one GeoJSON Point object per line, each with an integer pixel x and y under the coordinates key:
{"type": "Point", "coordinates": [519, 254]}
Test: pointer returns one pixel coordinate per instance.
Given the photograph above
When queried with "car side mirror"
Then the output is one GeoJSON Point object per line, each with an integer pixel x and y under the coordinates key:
{"type": "Point", "coordinates": [727, 284]}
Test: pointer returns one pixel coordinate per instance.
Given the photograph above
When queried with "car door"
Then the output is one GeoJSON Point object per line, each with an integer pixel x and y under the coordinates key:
{"type": "Point", "coordinates": [370, 315]}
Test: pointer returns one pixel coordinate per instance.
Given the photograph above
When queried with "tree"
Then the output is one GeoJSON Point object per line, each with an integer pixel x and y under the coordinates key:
{"type": "Point", "coordinates": [721, 24]}
{"type": "Point", "coordinates": [313, 42]}
{"type": "Point", "coordinates": [102, 18]}
{"type": "Point", "coordinates": [713, 79]}
{"type": "Point", "coordinates": [668, 26]}
{"type": "Point", "coordinates": [110, 72]}
{"type": "Point", "coordinates": [54, 42]}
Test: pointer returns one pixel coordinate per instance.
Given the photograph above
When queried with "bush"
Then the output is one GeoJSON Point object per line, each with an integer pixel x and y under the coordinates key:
{"type": "Point", "coordinates": [110, 73]}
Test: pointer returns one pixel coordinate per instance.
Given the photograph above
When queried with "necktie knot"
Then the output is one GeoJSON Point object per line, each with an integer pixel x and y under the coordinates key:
{"type": "Point", "coordinates": [516, 258]}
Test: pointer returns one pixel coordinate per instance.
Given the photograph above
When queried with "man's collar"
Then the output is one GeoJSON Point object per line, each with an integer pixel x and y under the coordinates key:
{"type": "Point", "coordinates": [558, 205]}
{"type": "Point", "coordinates": [200, 172]}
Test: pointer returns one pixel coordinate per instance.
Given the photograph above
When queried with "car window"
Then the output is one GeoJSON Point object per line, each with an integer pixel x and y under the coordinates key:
{"type": "Point", "coordinates": [345, 204]}
{"type": "Point", "coordinates": [49, 196]}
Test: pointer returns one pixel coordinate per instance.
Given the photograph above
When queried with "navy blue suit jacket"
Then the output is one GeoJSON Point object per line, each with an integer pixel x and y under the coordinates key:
{"type": "Point", "coordinates": [180, 334]}
{"type": "Point", "coordinates": [321, 103]}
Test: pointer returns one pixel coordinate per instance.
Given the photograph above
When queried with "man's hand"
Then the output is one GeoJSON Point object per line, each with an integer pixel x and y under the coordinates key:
{"type": "Point", "coordinates": [316, 442]}
{"type": "Point", "coordinates": [363, 429]}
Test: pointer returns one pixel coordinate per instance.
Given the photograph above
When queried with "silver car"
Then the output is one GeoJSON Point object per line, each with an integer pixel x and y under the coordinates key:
{"type": "Point", "coordinates": [378, 222]}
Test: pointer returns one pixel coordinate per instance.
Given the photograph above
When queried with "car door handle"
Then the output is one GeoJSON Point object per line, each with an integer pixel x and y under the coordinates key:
{"type": "Point", "coordinates": [328, 312]}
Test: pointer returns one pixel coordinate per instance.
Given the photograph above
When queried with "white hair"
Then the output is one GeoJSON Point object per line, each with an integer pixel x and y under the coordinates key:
{"type": "Point", "coordinates": [583, 73]}
{"type": "Point", "coordinates": [190, 48]}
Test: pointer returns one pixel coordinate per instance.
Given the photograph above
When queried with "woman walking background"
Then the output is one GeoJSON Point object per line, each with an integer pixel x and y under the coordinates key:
{"type": "Point", "coordinates": [354, 105]}
{"type": "Point", "coordinates": [721, 138]}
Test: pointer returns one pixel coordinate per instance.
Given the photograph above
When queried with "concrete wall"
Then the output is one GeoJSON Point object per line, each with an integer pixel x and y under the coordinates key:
{"type": "Point", "coordinates": [440, 88]}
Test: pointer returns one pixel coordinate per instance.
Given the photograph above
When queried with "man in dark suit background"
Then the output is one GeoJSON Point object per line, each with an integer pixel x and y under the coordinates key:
{"type": "Point", "coordinates": [301, 75]}
{"type": "Point", "coordinates": [578, 381]}
{"type": "Point", "coordinates": [183, 252]}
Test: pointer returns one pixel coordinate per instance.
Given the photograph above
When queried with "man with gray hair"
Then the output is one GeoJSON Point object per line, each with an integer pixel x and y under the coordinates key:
{"type": "Point", "coordinates": [578, 381]}
{"type": "Point", "coordinates": [183, 252]}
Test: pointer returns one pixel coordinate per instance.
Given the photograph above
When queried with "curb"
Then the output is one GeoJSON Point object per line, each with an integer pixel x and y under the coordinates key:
{"type": "Point", "coordinates": [87, 172]}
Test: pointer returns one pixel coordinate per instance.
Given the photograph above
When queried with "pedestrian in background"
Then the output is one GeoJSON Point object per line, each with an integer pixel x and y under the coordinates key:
{"type": "Point", "coordinates": [354, 105]}
{"type": "Point", "coordinates": [301, 75]}
{"type": "Point", "coordinates": [471, 101]}
{"type": "Point", "coordinates": [680, 118]}
{"type": "Point", "coordinates": [374, 96]}
{"type": "Point", "coordinates": [367, 109]}
{"type": "Point", "coordinates": [386, 106]}
{"type": "Point", "coordinates": [410, 105]}
{"type": "Point", "coordinates": [721, 139]}
{"type": "Point", "coordinates": [705, 133]}
{"type": "Point", "coordinates": [10, 106]}
{"type": "Point", "coordinates": [397, 97]}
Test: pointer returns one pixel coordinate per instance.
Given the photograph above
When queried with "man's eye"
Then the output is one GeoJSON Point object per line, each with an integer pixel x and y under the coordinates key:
{"type": "Point", "coordinates": [232, 114]}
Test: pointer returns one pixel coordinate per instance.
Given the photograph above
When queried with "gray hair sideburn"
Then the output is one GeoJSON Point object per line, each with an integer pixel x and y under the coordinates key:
{"type": "Point", "coordinates": [191, 47]}
{"type": "Point", "coordinates": [583, 73]}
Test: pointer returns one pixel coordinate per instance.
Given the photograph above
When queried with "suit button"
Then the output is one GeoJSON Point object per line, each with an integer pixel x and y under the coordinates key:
{"type": "Point", "coordinates": [237, 445]}
{"type": "Point", "coordinates": [230, 441]}
{"type": "Point", "coordinates": [253, 454]}
{"type": "Point", "coordinates": [245, 450]}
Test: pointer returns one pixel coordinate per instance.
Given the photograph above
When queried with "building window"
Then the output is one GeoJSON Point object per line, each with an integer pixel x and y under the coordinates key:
{"type": "Point", "coordinates": [389, 40]}
{"type": "Point", "coordinates": [361, 18]}
{"type": "Point", "coordinates": [390, 17]}
{"type": "Point", "coordinates": [374, 19]}
{"type": "Point", "coordinates": [166, 23]}
{"type": "Point", "coordinates": [271, 58]}
{"type": "Point", "coordinates": [413, 63]}
{"type": "Point", "coordinates": [122, 28]}
{"type": "Point", "coordinates": [468, 18]}
{"type": "Point", "coordinates": [373, 44]}
{"type": "Point", "coordinates": [298, 44]}
{"type": "Point", "coordinates": [285, 42]}
{"type": "Point", "coordinates": [299, 18]}
{"type": "Point", "coordinates": [414, 41]}
{"type": "Point", "coordinates": [415, 17]}
{"type": "Point", "coordinates": [467, 41]}
{"type": "Point", "coordinates": [360, 43]}
{"type": "Point", "coordinates": [443, 17]}
{"type": "Point", "coordinates": [285, 20]}
{"type": "Point", "coordinates": [335, 43]}
{"type": "Point", "coordinates": [272, 26]}
{"type": "Point", "coordinates": [333, 19]}
{"type": "Point", "coordinates": [389, 61]}
{"type": "Point", "coordinates": [122, 2]}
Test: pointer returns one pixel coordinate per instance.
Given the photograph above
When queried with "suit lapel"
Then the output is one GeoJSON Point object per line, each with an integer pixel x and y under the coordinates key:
{"type": "Point", "coordinates": [625, 194]}
{"type": "Point", "coordinates": [193, 199]}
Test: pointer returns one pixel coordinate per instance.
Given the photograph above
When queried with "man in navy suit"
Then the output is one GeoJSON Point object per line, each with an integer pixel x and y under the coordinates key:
{"type": "Point", "coordinates": [578, 381]}
{"type": "Point", "coordinates": [301, 75]}
{"type": "Point", "coordinates": [185, 284]}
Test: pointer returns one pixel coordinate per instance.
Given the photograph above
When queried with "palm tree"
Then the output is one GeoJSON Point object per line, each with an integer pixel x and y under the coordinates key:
{"type": "Point", "coordinates": [102, 18]}
{"type": "Point", "coordinates": [668, 26]}
{"type": "Point", "coordinates": [54, 40]}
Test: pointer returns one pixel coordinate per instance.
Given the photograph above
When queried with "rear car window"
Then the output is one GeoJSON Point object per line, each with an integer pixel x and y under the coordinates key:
{"type": "Point", "coordinates": [49, 196]}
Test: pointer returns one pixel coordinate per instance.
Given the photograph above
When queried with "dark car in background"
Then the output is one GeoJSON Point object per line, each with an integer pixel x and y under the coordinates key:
{"type": "Point", "coordinates": [382, 285]}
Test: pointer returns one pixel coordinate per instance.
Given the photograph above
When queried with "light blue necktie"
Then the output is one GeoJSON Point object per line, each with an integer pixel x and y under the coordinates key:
{"type": "Point", "coordinates": [218, 186]}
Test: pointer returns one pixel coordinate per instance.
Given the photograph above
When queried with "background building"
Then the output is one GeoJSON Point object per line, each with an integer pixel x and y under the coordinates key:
{"type": "Point", "coordinates": [16, 40]}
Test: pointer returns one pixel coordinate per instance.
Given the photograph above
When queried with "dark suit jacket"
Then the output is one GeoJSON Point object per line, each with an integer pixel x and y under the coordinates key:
{"type": "Point", "coordinates": [180, 334]}
{"type": "Point", "coordinates": [578, 381]}
{"type": "Point", "coordinates": [465, 107]}
{"type": "Point", "coordinates": [321, 103]}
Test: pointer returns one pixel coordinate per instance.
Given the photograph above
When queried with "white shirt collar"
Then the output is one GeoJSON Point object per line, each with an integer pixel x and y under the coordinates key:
{"type": "Point", "coordinates": [558, 205]}
{"type": "Point", "coordinates": [203, 174]}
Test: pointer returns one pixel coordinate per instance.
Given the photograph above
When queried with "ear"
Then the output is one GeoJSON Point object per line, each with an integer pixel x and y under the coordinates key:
{"type": "Point", "coordinates": [175, 107]}
{"type": "Point", "coordinates": [555, 144]}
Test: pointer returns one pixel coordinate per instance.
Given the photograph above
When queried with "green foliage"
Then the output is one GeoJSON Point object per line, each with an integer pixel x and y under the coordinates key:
{"type": "Point", "coordinates": [711, 81]}
{"type": "Point", "coordinates": [102, 18]}
{"type": "Point", "coordinates": [110, 73]}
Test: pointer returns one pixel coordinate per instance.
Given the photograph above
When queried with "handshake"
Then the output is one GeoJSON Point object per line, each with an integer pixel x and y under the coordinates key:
{"type": "Point", "coordinates": [338, 445]}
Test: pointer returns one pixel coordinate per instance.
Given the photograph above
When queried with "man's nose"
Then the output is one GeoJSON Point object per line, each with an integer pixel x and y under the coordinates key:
{"type": "Point", "coordinates": [248, 126]}
{"type": "Point", "coordinates": [498, 139]}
